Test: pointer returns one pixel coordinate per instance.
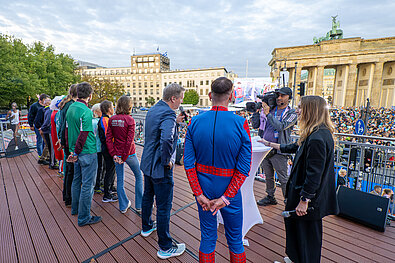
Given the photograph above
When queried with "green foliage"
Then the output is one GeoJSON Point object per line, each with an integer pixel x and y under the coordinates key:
{"type": "Point", "coordinates": [29, 70]}
{"type": "Point", "coordinates": [150, 100]}
{"type": "Point", "coordinates": [104, 89]}
{"type": "Point", "coordinates": [191, 97]}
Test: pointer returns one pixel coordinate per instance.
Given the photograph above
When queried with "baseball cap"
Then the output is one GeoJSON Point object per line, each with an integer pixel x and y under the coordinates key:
{"type": "Point", "coordinates": [285, 91]}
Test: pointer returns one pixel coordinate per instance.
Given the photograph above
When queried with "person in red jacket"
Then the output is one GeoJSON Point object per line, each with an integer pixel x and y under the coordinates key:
{"type": "Point", "coordinates": [120, 144]}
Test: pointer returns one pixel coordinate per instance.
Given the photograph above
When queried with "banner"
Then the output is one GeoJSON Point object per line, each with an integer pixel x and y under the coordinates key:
{"type": "Point", "coordinates": [248, 88]}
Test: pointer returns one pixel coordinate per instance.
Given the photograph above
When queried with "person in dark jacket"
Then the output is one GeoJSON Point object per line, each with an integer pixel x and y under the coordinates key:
{"type": "Point", "coordinates": [120, 144]}
{"type": "Point", "coordinates": [45, 130]}
{"type": "Point", "coordinates": [157, 165]}
{"type": "Point", "coordinates": [31, 116]}
{"type": "Point", "coordinates": [311, 183]}
{"type": "Point", "coordinates": [38, 122]}
{"type": "Point", "coordinates": [62, 143]}
{"type": "Point", "coordinates": [107, 110]}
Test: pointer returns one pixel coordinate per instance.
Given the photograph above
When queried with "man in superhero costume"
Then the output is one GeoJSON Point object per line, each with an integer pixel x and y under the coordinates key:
{"type": "Point", "coordinates": [217, 161]}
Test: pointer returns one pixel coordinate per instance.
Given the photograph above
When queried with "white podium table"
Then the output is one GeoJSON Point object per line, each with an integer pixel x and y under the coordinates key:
{"type": "Point", "coordinates": [251, 214]}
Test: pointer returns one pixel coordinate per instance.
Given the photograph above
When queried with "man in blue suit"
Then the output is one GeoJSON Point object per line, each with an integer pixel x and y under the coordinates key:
{"type": "Point", "coordinates": [157, 165]}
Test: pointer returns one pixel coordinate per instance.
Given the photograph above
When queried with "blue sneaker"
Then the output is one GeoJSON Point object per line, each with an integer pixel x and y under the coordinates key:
{"type": "Point", "coordinates": [174, 251]}
{"type": "Point", "coordinates": [147, 233]}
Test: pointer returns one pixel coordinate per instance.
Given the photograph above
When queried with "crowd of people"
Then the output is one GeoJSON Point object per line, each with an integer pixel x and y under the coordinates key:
{"type": "Point", "coordinates": [90, 146]}
{"type": "Point", "coordinates": [381, 121]}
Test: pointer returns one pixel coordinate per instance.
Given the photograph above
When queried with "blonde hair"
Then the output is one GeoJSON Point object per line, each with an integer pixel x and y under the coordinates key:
{"type": "Point", "coordinates": [314, 112]}
{"type": "Point", "coordinates": [95, 109]}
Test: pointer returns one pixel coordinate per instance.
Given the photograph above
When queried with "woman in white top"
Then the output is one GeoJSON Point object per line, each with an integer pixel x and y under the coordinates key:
{"type": "Point", "coordinates": [13, 115]}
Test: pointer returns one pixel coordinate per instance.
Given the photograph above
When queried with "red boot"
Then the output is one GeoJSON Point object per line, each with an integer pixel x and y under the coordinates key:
{"type": "Point", "coordinates": [237, 258]}
{"type": "Point", "coordinates": [209, 258]}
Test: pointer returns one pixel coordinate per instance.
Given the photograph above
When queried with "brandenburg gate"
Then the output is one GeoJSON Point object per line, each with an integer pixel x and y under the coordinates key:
{"type": "Point", "coordinates": [365, 69]}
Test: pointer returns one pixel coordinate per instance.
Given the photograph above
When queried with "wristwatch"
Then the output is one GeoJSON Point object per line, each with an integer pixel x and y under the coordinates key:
{"type": "Point", "coordinates": [304, 199]}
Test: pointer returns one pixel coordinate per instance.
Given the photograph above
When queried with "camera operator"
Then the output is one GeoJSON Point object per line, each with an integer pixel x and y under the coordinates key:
{"type": "Point", "coordinates": [276, 125]}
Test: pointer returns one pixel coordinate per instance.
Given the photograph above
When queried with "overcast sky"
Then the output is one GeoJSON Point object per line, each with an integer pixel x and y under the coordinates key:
{"type": "Point", "coordinates": [195, 34]}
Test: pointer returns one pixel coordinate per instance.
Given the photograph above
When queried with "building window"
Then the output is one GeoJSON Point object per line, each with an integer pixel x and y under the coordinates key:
{"type": "Point", "coordinates": [201, 92]}
{"type": "Point", "coordinates": [165, 84]}
{"type": "Point", "coordinates": [201, 83]}
{"type": "Point", "coordinates": [145, 92]}
{"type": "Point", "coordinates": [157, 92]}
{"type": "Point", "coordinates": [128, 85]}
{"type": "Point", "coordinates": [207, 82]}
{"type": "Point", "coordinates": [140, 92]}
{"type": "Point", "coordinates": [139, 84]}
{"type": "Point", "coordinates": [145, 85]}
{"type": "Point", "coordinates": [157, 85]}
{"type": "Point", "coordinates": [152, 92]}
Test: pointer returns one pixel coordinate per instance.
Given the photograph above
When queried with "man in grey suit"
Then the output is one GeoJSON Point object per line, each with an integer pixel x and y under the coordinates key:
{"type": "Point", "coordinates": [157, 165]}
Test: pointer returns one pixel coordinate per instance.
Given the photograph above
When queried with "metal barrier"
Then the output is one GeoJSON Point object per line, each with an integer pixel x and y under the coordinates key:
{"type": "Point", "coordinates": [24, 132]}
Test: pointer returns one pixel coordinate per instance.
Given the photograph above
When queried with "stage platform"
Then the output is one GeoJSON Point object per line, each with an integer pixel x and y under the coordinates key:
{"type": "Point", "coordinates": [35, 226]}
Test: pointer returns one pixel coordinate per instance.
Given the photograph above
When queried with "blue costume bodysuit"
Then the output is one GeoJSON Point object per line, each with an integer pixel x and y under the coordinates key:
{"type": "Point", "coordinates": [217, 160]}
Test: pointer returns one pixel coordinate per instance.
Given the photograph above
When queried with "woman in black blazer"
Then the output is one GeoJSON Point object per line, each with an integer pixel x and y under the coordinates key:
{"type": "Point", "coordinates": [312, 181]}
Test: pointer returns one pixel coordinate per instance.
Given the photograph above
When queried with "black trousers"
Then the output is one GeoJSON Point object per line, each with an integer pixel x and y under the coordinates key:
{"type": "Point", "coordinates": [68, 179]}
{"type": "Point", "coordinates": [48, 142]}
{"type": "Point", "coordinates": [99, 177]}
{"type": "Point", "coordinates": [303, 240]}
{"type": "Point", "coordinates": [109, 175]}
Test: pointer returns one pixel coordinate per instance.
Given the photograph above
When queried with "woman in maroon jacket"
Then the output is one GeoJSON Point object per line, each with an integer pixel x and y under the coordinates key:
{"type": "Point", "coordinates": [120, 144]}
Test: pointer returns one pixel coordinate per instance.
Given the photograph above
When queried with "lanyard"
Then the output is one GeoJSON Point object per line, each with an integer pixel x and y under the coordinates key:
{"type": "Point", "coordinates": [282, 113]}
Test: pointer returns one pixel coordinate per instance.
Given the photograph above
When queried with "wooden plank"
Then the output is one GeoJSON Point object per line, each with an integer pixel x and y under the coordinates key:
{"type": "Point", "coordinates": [56, 238]}
{"type": "Point", "coordinates": [7, 241]}
{"type": "Point", "coordinates": [75, 241]}
{"type": "Point", "coordinates": [89, 237]}
{"type": "Point", "coordinates": [23, 243]}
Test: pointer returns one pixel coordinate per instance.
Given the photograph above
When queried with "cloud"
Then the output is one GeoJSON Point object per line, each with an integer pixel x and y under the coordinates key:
{"type": "Point", "coordinates": [195, 34]}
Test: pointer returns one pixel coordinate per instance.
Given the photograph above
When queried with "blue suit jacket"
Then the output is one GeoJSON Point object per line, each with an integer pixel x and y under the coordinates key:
{"type": "Point", "coordinates": [160, 140]}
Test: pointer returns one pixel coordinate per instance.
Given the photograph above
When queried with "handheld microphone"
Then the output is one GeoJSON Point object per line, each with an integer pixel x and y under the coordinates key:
{"type": "Point", "coordinates": [183, 113]}
{"type": "Point", "coordinates": [287, 214]}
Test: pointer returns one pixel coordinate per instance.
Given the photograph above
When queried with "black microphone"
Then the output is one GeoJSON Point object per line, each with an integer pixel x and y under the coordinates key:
{"type": "Point", "coordinates": [287, 214]}
{"type": "Point", "coordinates": [183, 113]}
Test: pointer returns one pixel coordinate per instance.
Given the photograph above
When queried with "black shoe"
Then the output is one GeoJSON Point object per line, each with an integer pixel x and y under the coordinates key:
{"type": "Point", "coordinates": [94, 220]}
{"type": "Point", "coordinates": [111, 199]}
{"type": "Point", "coordinates": [268, 200]}
{"type": "Point", "coordinates": [44, 162]}
{"type": "Point", "coordinates": [53, 167]}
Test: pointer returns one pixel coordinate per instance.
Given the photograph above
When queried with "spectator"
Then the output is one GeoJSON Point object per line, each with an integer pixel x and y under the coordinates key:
{"type": "Point", "coordinates": [121, 147]}
{"type": "Point", "coordinates": [82, 143]}
{"type": "Point", "coordinates": [64, 106]}
{"type": "Point", "coordinates": [96, 118]}
{"type": "Point", "coordinates": [107, 110]}
{"type": "Point", "coordinates": [38, 122]}
{"type": "Point", "coordinates": [31, 117]}
{"type": "Point", "coordinates": [376, 190]}
{"type": "Point", "coordinates": [13, 115]}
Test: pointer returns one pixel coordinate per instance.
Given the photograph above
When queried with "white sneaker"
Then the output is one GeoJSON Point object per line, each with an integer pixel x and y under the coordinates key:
{"type": "Point", "coordinates": [172, 252]}
{"type": "Point", "coordinates": [126, 209]}
{"type": "Point", "coordinates": [146, 234]}
{"type": "Point", "coordinates": [286, 260]}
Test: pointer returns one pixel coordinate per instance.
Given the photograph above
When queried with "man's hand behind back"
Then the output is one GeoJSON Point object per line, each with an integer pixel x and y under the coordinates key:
{"type": "Point", "coordinates": [204, 202]}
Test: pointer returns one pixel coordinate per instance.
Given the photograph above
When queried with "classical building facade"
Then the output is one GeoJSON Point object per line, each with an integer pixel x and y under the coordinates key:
{"type": "Point", "coordinates": [364, 69]}
{"type": "Point", "coordinates": [150, 73]}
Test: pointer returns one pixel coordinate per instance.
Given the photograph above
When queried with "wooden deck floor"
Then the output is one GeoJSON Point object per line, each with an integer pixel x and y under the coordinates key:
{"type": "Point", "coordinates": [36, 227]}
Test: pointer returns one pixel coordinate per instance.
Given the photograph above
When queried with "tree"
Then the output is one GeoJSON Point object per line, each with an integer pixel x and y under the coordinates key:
{"type": "Point", "coordinates": [27, 70]}
{"type": "Point", "coordinates": [191, 97]}
{"type": "Point", "coordinates": [104, 89]}
{"type": "Point", "coordinates": [150, 100]}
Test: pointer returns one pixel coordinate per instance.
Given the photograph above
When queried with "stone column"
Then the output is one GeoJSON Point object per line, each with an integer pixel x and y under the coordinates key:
{"type": "Point", "coordinates": [371, 74]}
{"type": "Point", "coordinates": [319, 83]}
{"type": "Point", "coordinates": [345, 83]}
{"type": "Point", "coordinates": [377, 85]}
{"type": "Point", "coordinates": [351, 85]}
{"type": "Point", "coordinates": [314, 81]}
